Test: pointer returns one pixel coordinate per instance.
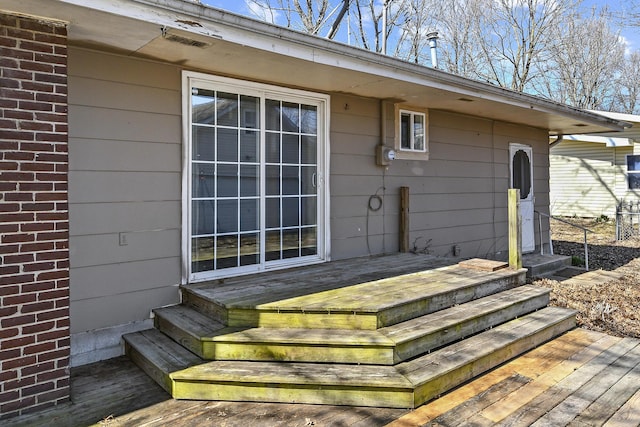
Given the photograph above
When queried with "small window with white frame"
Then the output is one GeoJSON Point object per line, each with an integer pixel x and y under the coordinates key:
{"type": "Point", "coordinates": [411, 133]}
{"type": "Point", "coordinates": [633, 171]}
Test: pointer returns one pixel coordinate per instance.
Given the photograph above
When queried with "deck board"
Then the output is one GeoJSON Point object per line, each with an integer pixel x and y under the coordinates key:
{"type": "Point", "coordinates": [600, 410]}
{"type": "Point", "coordinates": [298, 373]}
{"type": "Point", "coordinates": [404, 331]}
{"type": "Point", "coordinates": [569, 357]}
{"type": "Point", "coordinates": [119, 390]}
{"type": "Point", "coordinates": [385, 346]}
{"type": "Point", "coordinates": [471, 407]}
{"type": "Point", "coordinates": [628, 414]}
{"type": "Point", "coordinates": [565, 412]}
{"type": "Point", "coordinates": [273, 286]}
{"type": "Point", "coordinates": [290, 289]}
{"type": "Point", "coordinates": [567, 387]}
{"type": "Point", "coordinates": [551, 368]}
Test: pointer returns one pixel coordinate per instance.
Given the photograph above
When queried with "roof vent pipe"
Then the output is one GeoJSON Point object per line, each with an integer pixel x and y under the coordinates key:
{"type": "Point", "coordinates": [433, 44]}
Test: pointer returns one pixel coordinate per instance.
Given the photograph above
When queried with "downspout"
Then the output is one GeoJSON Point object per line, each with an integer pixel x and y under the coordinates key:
{"type": "Point", "coordinates": [558, 140]}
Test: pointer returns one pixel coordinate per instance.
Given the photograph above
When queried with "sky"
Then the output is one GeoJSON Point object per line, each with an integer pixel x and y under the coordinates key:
{"type": "Point", "coordinates": [630, 34]}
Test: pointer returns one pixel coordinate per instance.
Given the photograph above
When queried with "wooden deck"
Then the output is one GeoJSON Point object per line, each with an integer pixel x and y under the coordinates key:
{"type": "Point", "coordinates": [580, 378]}
{"type": "Point", "coordinates": [391, 331]}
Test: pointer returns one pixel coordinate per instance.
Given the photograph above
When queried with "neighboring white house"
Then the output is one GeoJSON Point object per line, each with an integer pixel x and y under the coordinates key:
{"type": "Point", "coordinates": [591, 174]}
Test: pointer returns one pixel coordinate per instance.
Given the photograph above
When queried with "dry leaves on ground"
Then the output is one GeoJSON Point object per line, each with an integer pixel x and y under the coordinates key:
{"type": "Point", "coordinates": [612, 307]}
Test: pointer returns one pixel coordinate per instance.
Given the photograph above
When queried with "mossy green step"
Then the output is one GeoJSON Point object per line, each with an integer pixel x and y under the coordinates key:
{"type": "Point", "coordinates": [424, 334]}
{"type": "Point", "coordinates": [386, 346]}
{"type": "Point", "coordinates": [408, 384]}
{"type": "Point", "coordinates": [440, 371]}
{"type": "Point", "coordinates": [366, 306]}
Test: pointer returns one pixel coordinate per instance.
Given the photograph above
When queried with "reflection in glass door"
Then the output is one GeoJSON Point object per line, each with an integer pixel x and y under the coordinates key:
{"type": "Point", "coordinates": [254, 184]}
{"type": "Point", "coordinates": [225, 180]}
{"type": "Point", "coordinates": [291, 180]}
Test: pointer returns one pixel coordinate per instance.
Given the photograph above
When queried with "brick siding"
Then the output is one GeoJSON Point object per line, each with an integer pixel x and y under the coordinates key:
{"type": "Point", "coordinates": [34, 219]}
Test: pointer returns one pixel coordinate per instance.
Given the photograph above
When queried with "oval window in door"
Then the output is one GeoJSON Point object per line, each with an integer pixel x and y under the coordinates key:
{"type": "Point", "coordinates": [522, 173]}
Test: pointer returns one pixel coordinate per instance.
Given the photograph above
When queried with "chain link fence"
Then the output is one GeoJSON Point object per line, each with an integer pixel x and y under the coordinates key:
{"type": "Point", "coordinates": [628, 220]}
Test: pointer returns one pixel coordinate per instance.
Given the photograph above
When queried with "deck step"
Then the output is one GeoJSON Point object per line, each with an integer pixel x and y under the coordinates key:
{"type": "Point", "coordinates": [187, 327]}
{"type": "Point", "coordinates": [158, 355]}
{"type": "Point", "coordinates": [440, 371]}
{"type": "Point", "coordinates": [386, 346]}
{"type": "Point", "coordinates": [540, 265]}
{"type": "Point", "coordinates": [424, 334]}
{"type": "Point", "coordinates": [405, 385]}
{"type": "Point", "coordinates": [367, 306]}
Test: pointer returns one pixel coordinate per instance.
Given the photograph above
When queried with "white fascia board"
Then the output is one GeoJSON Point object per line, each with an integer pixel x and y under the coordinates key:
{"type": "Point", "coordinates": [608, 141]}
{"type": "Point", "coordinates": [632, 118]}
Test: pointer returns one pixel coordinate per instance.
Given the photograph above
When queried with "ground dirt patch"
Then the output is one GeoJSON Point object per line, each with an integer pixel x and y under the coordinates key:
{"type": "Point", "coordinates": [612, 307]}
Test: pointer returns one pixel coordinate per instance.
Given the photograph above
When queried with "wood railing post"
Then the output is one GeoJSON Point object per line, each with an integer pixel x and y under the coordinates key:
{"type": "Point", "coordinates": [515, 230]}
{"type": "Point", "coordinates": [404, 219]}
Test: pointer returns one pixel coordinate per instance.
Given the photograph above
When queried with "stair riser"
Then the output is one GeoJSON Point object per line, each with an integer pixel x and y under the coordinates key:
{"type": "Point", "coordinates": [539, 270]}
{"type": "Point", "coordinates": [432, 389]}
{"type": "Point", "coordinates": [186, 340]}
{"type": "Point", "coordinates": [149, 368]}
{"type": "Point", "coordinates": [310, 320]}
{"type": "Point", "coordinates": [204, 306]}
{"type": "Point", "coordinates": [298, 353]}
{"type": "Point", "coordinates": [443, 301]}
{"type": "Point", "coordinates": [467, 327]}
{"type": "Point", "coordinates": [278, 393]}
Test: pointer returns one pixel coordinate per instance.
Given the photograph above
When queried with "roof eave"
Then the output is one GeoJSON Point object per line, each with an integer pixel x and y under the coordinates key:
{"type": "Point", "coordinates": [215, 25]}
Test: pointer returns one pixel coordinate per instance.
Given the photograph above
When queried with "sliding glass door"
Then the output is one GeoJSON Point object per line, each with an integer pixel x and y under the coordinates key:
{"type": "Point", "coordinates": [255, 190]}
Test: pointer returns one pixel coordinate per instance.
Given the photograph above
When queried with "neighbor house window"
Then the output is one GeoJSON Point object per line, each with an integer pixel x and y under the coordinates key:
{"type": "Point", "coordinates": [633, 171]}
{"type": "Point", "coordinates": [412, 131]}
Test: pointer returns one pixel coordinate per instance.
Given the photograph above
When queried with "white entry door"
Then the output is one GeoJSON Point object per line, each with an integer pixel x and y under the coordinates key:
{"type": "Point", "coordinates": [521, 166]}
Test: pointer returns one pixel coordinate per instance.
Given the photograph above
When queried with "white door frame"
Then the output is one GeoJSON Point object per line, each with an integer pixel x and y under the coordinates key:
{"type": "Point", "coordinates": [527, 197]}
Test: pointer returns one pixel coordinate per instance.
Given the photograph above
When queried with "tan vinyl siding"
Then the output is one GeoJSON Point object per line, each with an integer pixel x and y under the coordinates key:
{"type": "Point", "coordinates": [125, 177]}
{"type": "Point", "coordinates": [588, 179]}
{"type": "Point", "coordinates": [457, 197]}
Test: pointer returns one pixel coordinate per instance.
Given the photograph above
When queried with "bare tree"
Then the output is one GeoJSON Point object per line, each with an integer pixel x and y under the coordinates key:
{"type": "Point", "coordinates": [545, 47]}
{"type": "Point", "coordinates": [274, 12]}
{"type": "Point", "coordinates": [517, 38]}
{"type": "Point", "coordinates": [460, 24]}
{"type": "Point", "coordinates": [313, 18]}
{"type": "Point", "coordinates": [367, 22]}
{"type": "Point", "coordinates": [310, 16]}
{"type": "Point", "coordinates": [627, 85]}
{"type": "Point", "coordinates": [336, 24]}
{"type": "Point", "coordinates": [584, 63]}
{"type": "Point", "coordinates": [415, 20]}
